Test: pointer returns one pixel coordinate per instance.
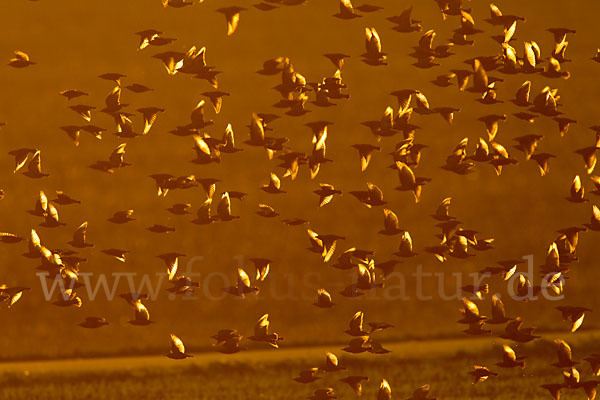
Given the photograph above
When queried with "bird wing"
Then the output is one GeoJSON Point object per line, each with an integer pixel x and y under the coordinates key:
{"type": "Point", "coordinates": [530, 55]}
{"type": "Point", "coordinates": [228, 137]}
{"type": "Point", "coordinates": [331, 359]}
{"type": "Point", "coordinates": [406, 174]}
{"type": "Point", "coordinates": [523, 92]}
{"type": "Point", "coordinates": [346, 6]}
{"type": "Point", "coordinates": [471, 308]}
{"type": "Point", "coordinates": [577, 323]}
{"type": "Point", "coordinates": [328, 252]}
{"type": "Point", "coordinates": [149, 120]}
{"type": "Point", "coordinates": [426, 41]}
{"type": "Point", "coordinates": [498, 308]}
{"type": "Point", "coordinates": [595, 213]}
{"type": "Point", "coordinates": [116, 157]}
{"type": "Point", "coordinates": [243, 278]}
{"type": "Point", "coordinates": [201, 146]}
{"type": "Point", "coordinates": [421, 99]}
{"type": "Point", "coordinates": [35, 165]}
{"type": "Point", "coordinates": [364, 278]}
{"type": "Point", "coordinates": [390, 221]}
{"type": "Point", "coordinates": [374, 192]}
{"type": "Point", "coordinates": [320, 145]}
{"type": "Point", "coordinates": [224, 206]}
{"type": "Point", "coordinates": [261, 329]}
{"type": "Point", "coordinates": [563, 351]}
{"type": "Point", "coordinates": [197, 115]}
{"type": "Point", "coordinates": [356, 323]}
{"type": "Point", "coordinates": [20, 160]}
{"type": "Point", "coordinates": [553, 65]}
{"type": "Point", "coordinates": [275, 181]}
{"type": "Point", "coordinates": [172, 268]}
{"type": "Point", "coordinates": [204, 210]}
{"type": "Point", "coordinates": [80, 234]}
{"type": "Point", "coordinates": [257, 129]}
{"type": "Point", "coordinates": [406, 242]}
{"type": "Point", "coordinates": [376, 40]}
{"type": "Point", "coordinates": [232, 22]}
{"type": "Point", "coordinates": [141, 312]}
{"type": "Point", "coordinates": [21, 55]}
{"type": "Point", "coordinates": [466, 20]}
{"type": "Point", "coordinates": [314, 238]}
{"type": "Point", "coordinates": [509, 32]}
{"type": "Point", "coordinates": [177, 345]}
{"type": "Point", "coordinates": [324, 296]}
{"type": "Point", "coordinates": [34, 240]}
{"type": "Point", "coordinates": [509, 353]}
{"type": "Point", "coordinates": [495, 11]}
{"type": "Point", "coordinates": [52, 212]}
{"type": "Point", "coordinates": [113, 100]}
{"type": "Point", "coordinates": [43, 202]}
{"type": "Point", "coordinates": [385, 391]}
{"type": "Point", "coordinates": [576, 186]}
{"type": "Point", "coordinates": [443, 208]}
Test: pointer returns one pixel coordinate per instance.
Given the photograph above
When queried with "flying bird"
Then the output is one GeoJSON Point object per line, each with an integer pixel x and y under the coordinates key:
{"type": "Point", "coordinates": [20, 60]}
{"type": "Point", "coordinates": [510, 359]}
{"type": "Point", "coordinates": [261, 333]}
{"type": "Point", "coordinates": [481, 373]}
{"type": "Point", "coordinates": [374, 54]}
{"type": "Point", "coordinates": [177, 350]}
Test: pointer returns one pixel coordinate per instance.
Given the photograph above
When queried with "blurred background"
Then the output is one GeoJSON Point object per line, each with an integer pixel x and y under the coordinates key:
{"type": "Point", "coordinates": [73, 42]}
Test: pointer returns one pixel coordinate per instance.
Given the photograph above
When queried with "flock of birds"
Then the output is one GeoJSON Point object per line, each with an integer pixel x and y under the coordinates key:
{"type": "Point", "coordinates": [296, 91]}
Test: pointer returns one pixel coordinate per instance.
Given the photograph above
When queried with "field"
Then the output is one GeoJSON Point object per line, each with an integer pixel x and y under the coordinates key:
{"type": "Point", "coordinates": [269, 374]}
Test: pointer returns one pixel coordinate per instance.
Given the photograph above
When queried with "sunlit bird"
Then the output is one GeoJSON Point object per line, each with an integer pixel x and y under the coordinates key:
{"type": "Point", "coordinates": [385, 391]}
{"type": "Point", "coordinates": [177, 350]}
{"type": "Point", "coordinates": [481, 373]}
{"type": "Point", "coordinates": [20, 60]}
